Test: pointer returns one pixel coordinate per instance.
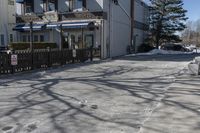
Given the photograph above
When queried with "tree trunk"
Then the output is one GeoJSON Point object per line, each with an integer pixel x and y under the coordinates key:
{"type": "Point", "coordinates": [157, 40]}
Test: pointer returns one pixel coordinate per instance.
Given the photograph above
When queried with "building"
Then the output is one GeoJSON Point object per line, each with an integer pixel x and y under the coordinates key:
{"type": "Point", "coordinates": [141, 22]}
{"type": "Point", "coordinates": [7, 22]}
{"type": "Point", "coordinates": [104, 24]}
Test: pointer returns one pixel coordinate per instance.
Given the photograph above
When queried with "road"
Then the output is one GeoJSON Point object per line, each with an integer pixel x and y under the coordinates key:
{"type": "Point", "coordinates": [132, 94]}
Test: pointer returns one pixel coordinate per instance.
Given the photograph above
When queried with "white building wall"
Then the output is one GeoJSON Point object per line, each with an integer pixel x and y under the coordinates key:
{"type": "Point", "coordinates": [119, 27]}
{"type": "Point", "coordinates": [95, 5]}
{"type": "Point", "coordinates": [38, 6]}
{"type": "Point", "coordinates": [139, 38]}
{"type": "Point", "coordinates": [139, 11]}
{"type": "Point", "coordinates": [19, 9]}
{"type": "Point", "coordinates": [7, 21]}
{"type": "Point", "coordinates": [63, 5]}
{"type": "Point", "coordinates": [115, 30]}
{"type": "Point", "coordinates": [141, 14]}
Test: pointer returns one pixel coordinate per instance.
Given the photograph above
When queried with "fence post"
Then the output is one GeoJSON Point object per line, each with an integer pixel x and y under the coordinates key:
{"type": "Point", "coordinates": [91, 53]}
{"type": "Point", "coordinates": [32, 59]}
{"type": "Point", "coordinates": [49, 56]}
{"type": "Point", "coordinates": [62, 57]}
{"type": "Point", "coordinates": [12, 66]}
{"type": "Point", "coordinates": [74, 55]}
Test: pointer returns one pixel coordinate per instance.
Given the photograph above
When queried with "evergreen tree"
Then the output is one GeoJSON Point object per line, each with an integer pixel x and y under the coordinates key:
{"type": "Point", "coordinates": [166, 18]}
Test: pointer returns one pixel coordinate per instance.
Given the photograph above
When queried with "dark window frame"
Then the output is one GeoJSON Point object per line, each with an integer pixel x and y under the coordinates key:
{"type": "Point", "coordinates": [28, 3]}
{"type": "Point", "coordinates": [46, 5]}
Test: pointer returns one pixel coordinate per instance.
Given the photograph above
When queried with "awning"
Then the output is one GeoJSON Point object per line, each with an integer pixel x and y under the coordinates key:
{"type": "Point", "coordinates": [65, 25]}
{"type": "Point", "coordinates": [19, 1]}
{"type": "Point", "coordinates": [26, 27]}
{"type": "Point", "coordinates": [71, 25]}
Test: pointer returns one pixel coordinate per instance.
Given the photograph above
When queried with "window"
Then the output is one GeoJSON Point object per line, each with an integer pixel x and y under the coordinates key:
{"type": "Point", "coordinates": [73, 38]}
{"type": "Point", "coordinates": [41, 38]}
{"type": "Point", "coordinates": [52, 5]}
{"type": "Point", "coordinates": [84, 3]}
{"type": "Point", "coordinates": [71, 5]}
{"type": "Point", "coordinates": [44, 5]}
{"type": "Point", "coordinates": [73, 41]}
{"type": "Point", "coordinates": [11, 37]}
{"type": "Point", "coordinates": [24, 38]}
{"type": "Point", "coordinates": [29, 39]}
{"type": "Point", "coordinates": [2, 40]}
{"type": "Point", "coordinates": [11, 2]}
{"type": "Point", "coordinates": [76, 4]}
{"type": "Point", "coordinates": [28, 6]}
{"type": "Point", "coordinates": [36, 38]}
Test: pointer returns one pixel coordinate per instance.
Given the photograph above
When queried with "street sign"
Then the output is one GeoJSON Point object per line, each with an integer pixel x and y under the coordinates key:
{"type": "Point", "coordinates": [14, 61]}
{"type": "Point", "coordinates": [74, 53]}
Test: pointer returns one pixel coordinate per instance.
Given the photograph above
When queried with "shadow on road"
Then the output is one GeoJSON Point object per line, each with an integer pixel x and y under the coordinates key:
{"type": "Point", "coordinates": [175, 58]}
{"type": "Point", "coordinates": [50, 94]}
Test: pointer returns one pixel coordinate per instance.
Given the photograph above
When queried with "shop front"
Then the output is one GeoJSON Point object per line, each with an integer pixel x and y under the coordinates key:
{"type": "Point", "coordinates": [67, 35]}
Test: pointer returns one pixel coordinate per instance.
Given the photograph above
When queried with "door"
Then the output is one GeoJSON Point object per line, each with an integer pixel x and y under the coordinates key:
{"type": "Point", "coordinates": [89, 41]}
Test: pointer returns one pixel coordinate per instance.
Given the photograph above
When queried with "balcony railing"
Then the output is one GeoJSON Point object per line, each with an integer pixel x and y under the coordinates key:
{"type": "Point", "coordinates": [55, 16]}
{"type": "Point", "coordinates": [82, 15]}
{"type": "Point", "coordinates": [48, 16]}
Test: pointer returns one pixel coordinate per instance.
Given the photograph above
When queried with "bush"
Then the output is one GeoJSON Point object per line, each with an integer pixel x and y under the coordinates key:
{"type": "Point", "coordinates": [145, 48]}
{"type": "Point", "coordinates": [26, 45]}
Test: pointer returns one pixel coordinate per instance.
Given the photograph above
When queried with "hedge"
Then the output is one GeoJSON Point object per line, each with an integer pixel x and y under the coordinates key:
{"type": "Point", "coordinates": [26, 45]}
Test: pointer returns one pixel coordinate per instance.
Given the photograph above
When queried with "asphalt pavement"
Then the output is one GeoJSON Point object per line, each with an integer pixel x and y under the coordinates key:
{"type": "Point", "coordinates": [131, 94]}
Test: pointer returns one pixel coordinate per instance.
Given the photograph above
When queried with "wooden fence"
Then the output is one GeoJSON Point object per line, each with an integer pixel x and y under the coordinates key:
{"type": "Point", "coordinates": [27, 60]}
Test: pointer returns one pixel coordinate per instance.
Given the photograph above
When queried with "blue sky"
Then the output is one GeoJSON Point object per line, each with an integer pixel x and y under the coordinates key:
{"type": "Point", "coordinates": [193, 7]}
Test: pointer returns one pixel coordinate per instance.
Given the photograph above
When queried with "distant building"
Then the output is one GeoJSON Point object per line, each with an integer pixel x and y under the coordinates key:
{"type": "Point", "coordinates": [84, 23]}
{"type": "Point", "coordinates": [7, 22]}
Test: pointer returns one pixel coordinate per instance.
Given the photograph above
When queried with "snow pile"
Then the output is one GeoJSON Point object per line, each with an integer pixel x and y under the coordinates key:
{"type": "Point", "coordinates": [194, 67]}
{"type": "Point", "coordinates": [196, 50]}
{"type": "Point", "coordinates": [164, 52]}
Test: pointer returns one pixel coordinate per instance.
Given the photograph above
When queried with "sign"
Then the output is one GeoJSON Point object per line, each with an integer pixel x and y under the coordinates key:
{"type": "Point", "coordinates": [74, 53]}
{"type": "Point", "coordinates": [14, 61]}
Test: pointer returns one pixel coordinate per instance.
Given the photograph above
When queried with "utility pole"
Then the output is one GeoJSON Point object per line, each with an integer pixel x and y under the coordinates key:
{"type": "Point", "coordinates": [31, 36]}
{"type": "Point", "coordinates": [31, 44]}
{"type": "Point", "coordinates": [61, 37]}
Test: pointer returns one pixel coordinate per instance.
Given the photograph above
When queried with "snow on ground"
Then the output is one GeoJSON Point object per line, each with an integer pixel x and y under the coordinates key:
{"type": "Point", "coordinates": [164, 52]}
{"type": "Point", "coordinates": [116, 96]}
{"type": "Point", "coordinates": [197, 50]}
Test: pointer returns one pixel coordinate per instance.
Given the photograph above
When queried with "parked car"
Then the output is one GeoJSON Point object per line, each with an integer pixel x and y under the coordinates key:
{"type": "Point", "coordinates": [174, 47]}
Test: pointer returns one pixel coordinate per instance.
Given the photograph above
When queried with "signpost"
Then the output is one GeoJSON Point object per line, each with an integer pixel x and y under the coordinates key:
{"type": "Point", "coordinates": [14, 60]}
{"type": "Point", "coordinates": [74, 53]}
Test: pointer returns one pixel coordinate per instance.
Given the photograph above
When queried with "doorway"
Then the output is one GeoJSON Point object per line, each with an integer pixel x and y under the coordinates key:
{"type": "Point", "coordinates": [89, 41]}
